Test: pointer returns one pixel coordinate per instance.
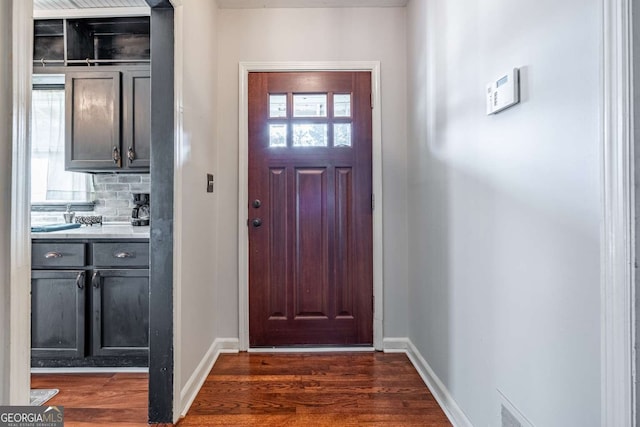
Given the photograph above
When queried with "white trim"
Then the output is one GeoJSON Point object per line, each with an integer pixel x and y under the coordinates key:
{"type": "Point", "coordinates": [312, 350]}
{"type": "Point", "coordinates": [617, 251]}
{"type": "Point", "coordinates": [199, 376]}
{"type": "Point", "coordinates": [95, 12]}
{"type": "Point", "coordinates": [178, 161]}
{"type": "Point", "coordinates": [20, 300]}
{"type": "Point", "coordinates": [243, 153]}
{"type": "Point", "coordinates": [91, 370]}
{"type": "Point", "coordinates": [437, 388]}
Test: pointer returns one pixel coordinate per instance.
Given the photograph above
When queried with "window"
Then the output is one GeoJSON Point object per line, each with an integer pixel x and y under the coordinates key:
{"type": "Point", "coordinates": [50, 183]}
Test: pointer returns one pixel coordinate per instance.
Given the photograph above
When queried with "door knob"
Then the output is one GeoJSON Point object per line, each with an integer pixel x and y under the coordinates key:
{"type": "Point", "coordinates": [256, 222]}
{"type": "Point", "coordinates": [257, 203]}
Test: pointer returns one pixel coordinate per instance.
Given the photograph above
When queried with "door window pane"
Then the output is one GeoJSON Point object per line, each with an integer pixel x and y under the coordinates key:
{"type": "Point", "coordinates": [342, 105]}
{"type": "Point", "coordinates": [310, 105]}
{"type": "Point", "coordinates": [277, 135]}
{"type": "Point", "coordinates": [342, 135]}
{"type": "Point", "coordinates": [277, 105]}
{"type": "Point", "coordinates": [310, 135]}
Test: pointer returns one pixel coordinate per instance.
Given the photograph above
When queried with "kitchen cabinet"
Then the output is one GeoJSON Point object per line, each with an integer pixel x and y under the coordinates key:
{"type": "Point", "coordinates": [108, 120]}
{"type": "Point", "coordinates": [57, 314]}
{"type": "Point", "coordinates": [90, 302]}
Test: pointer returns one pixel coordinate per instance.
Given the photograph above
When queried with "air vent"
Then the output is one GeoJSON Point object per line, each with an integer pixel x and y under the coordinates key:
{"type": "Point", "coordinates": [508, 419]}
{"type": "Point", "coordinates": [511, 416]}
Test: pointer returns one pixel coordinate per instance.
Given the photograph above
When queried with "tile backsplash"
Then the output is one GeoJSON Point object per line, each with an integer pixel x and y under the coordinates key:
{"type": "Point", "coordinates": [113, 196]}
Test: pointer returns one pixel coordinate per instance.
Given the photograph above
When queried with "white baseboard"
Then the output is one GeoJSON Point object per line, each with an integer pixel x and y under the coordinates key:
{"type": "Point", "coordinates": [311, 350]}
{"type": "Point", "coordinates": [197, 379]}
{"type": "Point", "coordinates": [431, 380]}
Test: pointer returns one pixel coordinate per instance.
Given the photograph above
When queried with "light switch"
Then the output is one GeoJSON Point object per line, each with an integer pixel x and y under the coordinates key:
{"type": "Point", "coordinates": [209, 183]}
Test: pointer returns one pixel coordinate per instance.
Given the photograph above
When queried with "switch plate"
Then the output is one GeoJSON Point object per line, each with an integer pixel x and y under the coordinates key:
{"type": "Point", "coordinates": [504, 92]}
{"type": "Point", "coordinates": [209, 183]}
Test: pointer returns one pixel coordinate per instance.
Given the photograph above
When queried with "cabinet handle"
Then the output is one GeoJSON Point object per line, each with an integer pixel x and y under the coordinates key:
{"type": "Point", "coordinates": [116, 156]}
{"type": "Point", "coordinates": [131, 154]}
{"type": "Point", "coordinates": [53, 254]}
{"type": "Point", "coordinates": [95, 280]}
{"type": "Point", "coordinates": [122, 255]}
{"type": "Point", "coordinates": [80, 280]}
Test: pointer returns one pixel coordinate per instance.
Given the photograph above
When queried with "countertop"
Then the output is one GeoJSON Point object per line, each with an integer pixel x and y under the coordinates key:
{"type": "Point", "coordinates": [111, 231]}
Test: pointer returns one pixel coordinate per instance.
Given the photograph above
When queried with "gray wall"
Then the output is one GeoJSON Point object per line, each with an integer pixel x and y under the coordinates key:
{"type": "Point", "coordinates": [6, 99]}
{"type": "Point", "coordinates": [504, 289]}
{"type": "Point", "coordinates": [338, 34]}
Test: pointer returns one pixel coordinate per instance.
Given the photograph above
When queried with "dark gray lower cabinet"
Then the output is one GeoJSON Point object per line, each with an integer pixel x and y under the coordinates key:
{"type": "Point", "coordinates": [120, 312]}
{"type": "Point", "coordinates": [57, 314]}
{"type": "Point", "coordinates": [90, 303]}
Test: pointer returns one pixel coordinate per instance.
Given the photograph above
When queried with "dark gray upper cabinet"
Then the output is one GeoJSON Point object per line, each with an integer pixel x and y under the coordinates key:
{"type": "Point", "coordinates": [57, 314]}
{"type": "Point", "coordinates": [136, 121]}
{"type": "Point", "coordinates": [92, 121]}
{"type": "Point", "coordinates": [108, 120]}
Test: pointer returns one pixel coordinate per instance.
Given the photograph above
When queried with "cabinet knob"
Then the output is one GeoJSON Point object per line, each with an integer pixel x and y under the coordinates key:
{"type": "Point", "coordinates": [131, 154]}
{"type": "Point", "coordinates": [116, 156]}
{"type": "Point", "coordinates": [122, 255]}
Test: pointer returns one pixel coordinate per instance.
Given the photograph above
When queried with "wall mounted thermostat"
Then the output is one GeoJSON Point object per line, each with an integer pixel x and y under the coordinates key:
{"type": "Point", "coordinates": [504, 92]}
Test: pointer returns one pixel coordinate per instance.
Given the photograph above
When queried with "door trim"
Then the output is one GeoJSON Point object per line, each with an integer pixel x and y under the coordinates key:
{"type": "Point", "coordinates": [617, 230]}
{"type": "Point", "coordinates": [243, 181]}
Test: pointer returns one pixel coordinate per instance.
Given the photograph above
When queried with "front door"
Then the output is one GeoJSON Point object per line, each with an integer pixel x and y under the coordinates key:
{"type": "Point", "coordinates": [310, 209]}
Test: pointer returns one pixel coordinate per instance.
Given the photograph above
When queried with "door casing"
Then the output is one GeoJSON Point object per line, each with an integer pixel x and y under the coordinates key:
{"type": "Point", "coordinates": [243, 179]}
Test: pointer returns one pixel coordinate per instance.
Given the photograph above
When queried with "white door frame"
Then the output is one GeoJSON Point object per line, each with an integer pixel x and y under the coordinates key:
{"type": "Point", "coordinates": [618, 210]}
{"type": "Point", "coordinates": [243, 181]}
{"type": "Point", "coordinates": [20, 286]}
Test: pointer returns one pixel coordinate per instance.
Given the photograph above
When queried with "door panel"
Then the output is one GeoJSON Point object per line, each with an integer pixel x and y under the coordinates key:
{"type": "Point", "coordinates": [310, 225]}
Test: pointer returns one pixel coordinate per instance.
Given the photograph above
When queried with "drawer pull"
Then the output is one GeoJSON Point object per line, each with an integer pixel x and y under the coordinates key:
{"type": "Point", "coordinates": [122, 255]}
{"type": "Point", "coordinates": [53, 254]}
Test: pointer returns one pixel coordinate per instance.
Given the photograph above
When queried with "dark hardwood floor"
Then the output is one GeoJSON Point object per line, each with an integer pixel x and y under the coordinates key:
{"type": "Point", "coordinates": [256, 389]}
{"type": "Point", "coordinates": [119, 400]}
{"type": "Point", "coordinates": [337, 389]}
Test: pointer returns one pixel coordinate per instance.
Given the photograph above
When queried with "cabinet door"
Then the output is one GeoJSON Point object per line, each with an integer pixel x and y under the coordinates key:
{"type": "Point", "coordinates": [57, 314]}
{"type": "Point", "coordinates": [136, 123]}
{"type": "Point", "coordinates": [92, 121]}
{"type": "Point", "coordinates": [120, 307]}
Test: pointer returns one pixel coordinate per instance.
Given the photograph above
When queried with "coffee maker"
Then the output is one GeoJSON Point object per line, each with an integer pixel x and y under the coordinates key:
{"type": "Point", "coordinates": [140, 212]}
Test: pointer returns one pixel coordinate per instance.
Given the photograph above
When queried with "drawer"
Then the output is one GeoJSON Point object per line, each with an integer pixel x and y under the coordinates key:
{"type": "Point", "coordinates": [121, 254]}
{"type": "Point", "coordinates": [58, 254]}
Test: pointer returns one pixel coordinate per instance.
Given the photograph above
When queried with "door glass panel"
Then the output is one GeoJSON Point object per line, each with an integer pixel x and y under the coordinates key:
{"type": "Point", "coordinates": [310, 105]}
{"type": "Point", "coordinates": [310, 135]}
{"type": "Point", "coordinates": [277, 105]}
{"type": "Point", "coordinates": [342, 135]}
{"type": "Point", "coordinates": [277, 135]}
{"type": "Point", "coordinates": [342, 105]}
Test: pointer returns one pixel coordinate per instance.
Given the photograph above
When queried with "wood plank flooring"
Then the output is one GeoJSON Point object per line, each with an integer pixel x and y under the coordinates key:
{"type": "Point", "coordinates": [337, 389]}
{"type": "Point", "coordinates": [119, 400]}
{"type": "Point", "coordinates": [255, 389]}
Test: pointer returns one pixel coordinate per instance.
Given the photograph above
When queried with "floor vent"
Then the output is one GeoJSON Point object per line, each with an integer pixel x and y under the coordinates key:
{"type": "Point", "coordinates": [508, 419]}
{"type": "Point", "coordinates": [511, 416]}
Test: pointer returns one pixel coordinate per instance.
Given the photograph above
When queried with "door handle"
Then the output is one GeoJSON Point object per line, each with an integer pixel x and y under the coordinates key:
{"type": "Point", "coordinates": [53, 254]}
{"type": "Point", "coordinates": [256, 222]}
{"type": "Point", "coordinates": [116, 156]}
{"type": "Point", "coordinates": [131, 154]}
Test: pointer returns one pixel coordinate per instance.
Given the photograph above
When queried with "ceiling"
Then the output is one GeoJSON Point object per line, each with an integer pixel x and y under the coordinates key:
{"type": "Point", "coordinates": [53, 5]}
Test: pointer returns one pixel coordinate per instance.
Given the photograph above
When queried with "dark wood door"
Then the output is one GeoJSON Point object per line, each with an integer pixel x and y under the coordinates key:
{"type": "Point", "coordinates": [120, 306]}
{"type": "Point", "coordinates": [310, 209]}
{"type": "Point", "coordinates": [57, 314]}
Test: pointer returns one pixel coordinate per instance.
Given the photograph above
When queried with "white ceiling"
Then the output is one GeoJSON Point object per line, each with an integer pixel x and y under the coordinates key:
{"type": "Point", "coordinates": [51, 5]}
{"type": "Point", "coordinates": [259, 4]}
{"type": "Point", "coordinates": [85, 4]}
